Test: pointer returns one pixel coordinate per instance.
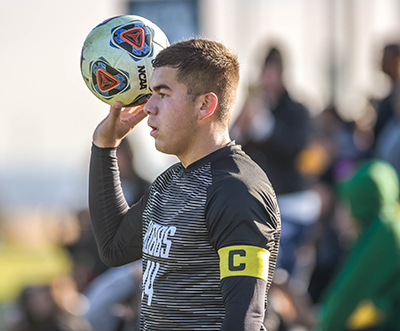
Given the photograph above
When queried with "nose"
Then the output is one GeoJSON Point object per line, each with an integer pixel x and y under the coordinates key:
{"type": "Point", "coordinates": [149, 107]}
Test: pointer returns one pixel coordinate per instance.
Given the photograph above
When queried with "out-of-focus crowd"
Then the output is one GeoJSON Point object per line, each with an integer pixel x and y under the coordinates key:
{"type": "Point", "coordinates": [337, 185]}
{"type": "Point", "coordinates": [51, 276]}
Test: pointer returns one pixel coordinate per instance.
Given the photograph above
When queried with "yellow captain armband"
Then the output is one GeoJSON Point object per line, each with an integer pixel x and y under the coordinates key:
{"type": "Point", "coordinates": [244, 261]}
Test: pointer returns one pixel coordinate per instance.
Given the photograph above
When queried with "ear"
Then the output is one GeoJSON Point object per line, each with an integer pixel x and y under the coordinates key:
{"type": "Point", "coordinates": [209, 103]}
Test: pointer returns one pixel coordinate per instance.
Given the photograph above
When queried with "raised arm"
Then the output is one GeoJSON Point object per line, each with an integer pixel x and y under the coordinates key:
{"type": "Point", "coordinates": [116, 226]}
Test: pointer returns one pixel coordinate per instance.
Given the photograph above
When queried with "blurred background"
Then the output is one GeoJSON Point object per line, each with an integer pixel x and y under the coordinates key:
{"type": "Point", "coordinates": [333, 51]}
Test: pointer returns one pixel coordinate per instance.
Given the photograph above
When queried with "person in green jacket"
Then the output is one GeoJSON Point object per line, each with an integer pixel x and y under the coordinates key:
{"type": "Point", "coordinates": [371, 274]}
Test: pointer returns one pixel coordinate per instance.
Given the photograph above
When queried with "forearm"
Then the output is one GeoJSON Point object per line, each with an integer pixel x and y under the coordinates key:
{"type": "Point", "coordinates": [117, 242]}
{"type": "Point", "coordinates": [244, 299]}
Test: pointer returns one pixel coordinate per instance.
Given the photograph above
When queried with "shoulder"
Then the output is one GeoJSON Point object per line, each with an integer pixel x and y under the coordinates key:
{"type": "Point", "coordinates": [239, 189]}
{"type": "Point", "coordinates": [241, 207]}
{"type": "Point", "coordinates": [237, 170]}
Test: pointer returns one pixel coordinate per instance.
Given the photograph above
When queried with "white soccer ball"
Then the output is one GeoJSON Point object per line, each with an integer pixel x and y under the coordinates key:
{"type": "Point", "coordinates": [116, 58]}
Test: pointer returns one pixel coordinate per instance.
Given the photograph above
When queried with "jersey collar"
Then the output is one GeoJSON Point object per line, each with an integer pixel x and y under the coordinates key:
{"type": "Point", "coordinates": [229, 148]}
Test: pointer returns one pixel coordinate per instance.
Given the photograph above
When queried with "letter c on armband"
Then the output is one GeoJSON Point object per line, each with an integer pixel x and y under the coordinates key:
{"type": "Point", "coordinates": [244, 261]}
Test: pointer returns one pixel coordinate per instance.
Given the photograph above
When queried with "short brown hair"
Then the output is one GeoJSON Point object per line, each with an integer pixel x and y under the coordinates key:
{"type": "Point", "coordinates": [204, 66]}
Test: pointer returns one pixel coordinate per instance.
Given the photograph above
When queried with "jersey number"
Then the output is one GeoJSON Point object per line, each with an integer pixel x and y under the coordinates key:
{"type": "Point", "coordinates": [149, 276]}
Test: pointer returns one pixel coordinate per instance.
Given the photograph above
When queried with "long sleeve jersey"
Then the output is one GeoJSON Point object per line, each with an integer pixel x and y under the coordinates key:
{"type": "Point", "coordinates": [208, 235]}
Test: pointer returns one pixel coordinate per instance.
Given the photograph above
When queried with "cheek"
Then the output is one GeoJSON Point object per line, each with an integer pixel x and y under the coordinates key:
{"type": "Point", "coordinates": [173, 123]}
{"type": "Point", "coordinates": [180, 118]}
{"type": "Point", "coordinates": [179, 129]}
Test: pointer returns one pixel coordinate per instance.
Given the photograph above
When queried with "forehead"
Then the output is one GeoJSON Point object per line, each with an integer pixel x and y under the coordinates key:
{"type": "Point", "coordinates": [164, 76]}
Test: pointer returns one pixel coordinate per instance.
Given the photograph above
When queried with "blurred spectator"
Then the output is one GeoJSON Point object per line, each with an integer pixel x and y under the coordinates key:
{"type": "Point", "coordinates": [287, 309]}
{"type": "Point", "coordinates": [55, 306]}
{"type": "Point", "coordinates": [387, 127]}
{"type": "Point", "coordinates": [387, 144]}
{"type": "Point", "coordinates": [387, 147]}
{"type": "Point", "coordinates": [115, 298]}
{"type": "Point", "coordinates": [366, 291]}
{"type": "Point", "coordinates": [28, 255]}
{"type": "Point", "coordinates": [345, 143]}
{"type": "Point", "coordinates": [390, 66]}
{"type": "Point", "coordinates": [36, 290]}
{"type": "Point", "coordinates": [86, 260]}
{"type": "Point", "coordinates": [274, 129]}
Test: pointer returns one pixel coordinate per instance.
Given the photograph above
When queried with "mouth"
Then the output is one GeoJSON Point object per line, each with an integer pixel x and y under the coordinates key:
{"type": "Point", "coordinates": [154, 129]}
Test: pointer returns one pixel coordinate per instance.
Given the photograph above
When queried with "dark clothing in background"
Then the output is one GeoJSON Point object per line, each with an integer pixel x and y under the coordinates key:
{"type": "Point", "coordinates": [277, 155]}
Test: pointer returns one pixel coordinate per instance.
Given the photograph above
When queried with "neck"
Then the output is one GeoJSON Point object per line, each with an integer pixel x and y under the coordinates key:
{"type": "Point", "coordinates": [208, 143]}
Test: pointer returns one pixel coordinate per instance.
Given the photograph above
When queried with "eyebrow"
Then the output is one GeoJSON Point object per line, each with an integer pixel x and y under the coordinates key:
{"type": "Point", "coordinates": [157, 88]}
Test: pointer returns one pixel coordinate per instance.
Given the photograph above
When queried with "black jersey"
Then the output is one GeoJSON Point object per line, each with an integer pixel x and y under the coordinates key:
{"type": "Point", "coordinates": [205, 233]}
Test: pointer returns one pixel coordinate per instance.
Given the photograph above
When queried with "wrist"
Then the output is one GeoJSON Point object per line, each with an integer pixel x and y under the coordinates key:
{"type": "Point", "coordinates": [102, 142]}
{"type": "Point", "coordinates": [105, 145]}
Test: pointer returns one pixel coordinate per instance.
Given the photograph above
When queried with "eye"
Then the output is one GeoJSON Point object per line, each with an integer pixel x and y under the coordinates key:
{"type": "Point", "coordinates": [162, 95]}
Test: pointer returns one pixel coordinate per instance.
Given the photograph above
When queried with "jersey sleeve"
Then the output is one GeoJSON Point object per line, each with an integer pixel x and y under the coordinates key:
{"type": "Point", "coordinates": [237, 214]}
{"type": "Point", "coordinates": [116, 226]}
{"type": "Point", "coordinates": [243, 223]}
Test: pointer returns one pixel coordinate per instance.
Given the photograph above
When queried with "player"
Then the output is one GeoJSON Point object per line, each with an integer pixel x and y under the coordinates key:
{"type": "Point", "coordinates": [208, 228]}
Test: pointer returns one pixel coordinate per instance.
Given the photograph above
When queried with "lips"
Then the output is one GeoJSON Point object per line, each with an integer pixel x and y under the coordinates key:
{"type": "Point", "coordinates": [153, 128]}
{"type": "Point", "coordinates": [153, 131]}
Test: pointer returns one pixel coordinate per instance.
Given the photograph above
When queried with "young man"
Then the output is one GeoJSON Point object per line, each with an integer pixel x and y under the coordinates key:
{"type": "Point", "coordinates": [208, 228]}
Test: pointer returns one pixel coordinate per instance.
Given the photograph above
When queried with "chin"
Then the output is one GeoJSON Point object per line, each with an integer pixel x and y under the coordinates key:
{"type": "Point", "coordinates": [162, 148]}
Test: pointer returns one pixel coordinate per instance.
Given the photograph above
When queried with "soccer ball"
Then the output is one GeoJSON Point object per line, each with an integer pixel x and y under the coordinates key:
{"type": "Point", "coordinates": [116, 59]}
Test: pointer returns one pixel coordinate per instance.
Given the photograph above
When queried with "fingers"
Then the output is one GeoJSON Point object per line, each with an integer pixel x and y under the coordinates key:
{"type": "Point", "coordinates": [133, 114]}
{"type": "Point", "coordinates": [128, 114]}
{"type": "Point", "coordinates": [115, 111]}
{"type": "Point", "coordinates": [135, 109]}
{"type": "Point", "coordinates": [119, 122]}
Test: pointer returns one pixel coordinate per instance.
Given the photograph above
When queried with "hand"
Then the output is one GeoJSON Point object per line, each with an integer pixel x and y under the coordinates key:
{"type": "Point", "coordinates": [117, 125]}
